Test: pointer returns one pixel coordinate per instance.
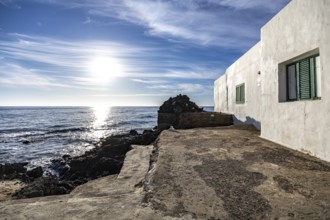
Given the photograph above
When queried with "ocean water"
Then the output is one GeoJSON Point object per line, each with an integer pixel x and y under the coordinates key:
{"type": "Point", "coordinates": [55, 131]}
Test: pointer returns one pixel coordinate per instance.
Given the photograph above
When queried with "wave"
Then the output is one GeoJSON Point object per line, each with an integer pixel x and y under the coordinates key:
{"type": "Point", "coordinates": [147, 116]}
{"type": "Point", "coordinates": [18, 130]}
{"type": "Point", "coordinates": [66, 130]}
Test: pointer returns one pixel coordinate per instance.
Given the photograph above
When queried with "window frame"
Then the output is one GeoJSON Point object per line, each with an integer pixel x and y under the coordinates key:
{"type": "Point", "coordinates": [297, 76]}
{"type": "Point", "coordinates": [240, 100]}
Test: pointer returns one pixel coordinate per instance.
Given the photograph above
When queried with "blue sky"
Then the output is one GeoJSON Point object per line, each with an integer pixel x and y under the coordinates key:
{"type": "Point", "coordinates": [122, 52]}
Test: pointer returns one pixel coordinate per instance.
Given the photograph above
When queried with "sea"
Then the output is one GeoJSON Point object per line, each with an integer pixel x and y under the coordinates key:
{"type": "Point", "coordinates": [38, 135]}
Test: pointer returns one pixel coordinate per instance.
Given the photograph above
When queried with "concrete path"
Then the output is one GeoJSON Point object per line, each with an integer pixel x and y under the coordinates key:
{"type": "Point", "coordinates": [231, 173]}
{"type": "Point", "coordinates": [209, 173]}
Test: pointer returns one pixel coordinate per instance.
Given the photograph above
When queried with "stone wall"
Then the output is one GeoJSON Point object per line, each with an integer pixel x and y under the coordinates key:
{"type": "Point", "coordinates": [194, 120]}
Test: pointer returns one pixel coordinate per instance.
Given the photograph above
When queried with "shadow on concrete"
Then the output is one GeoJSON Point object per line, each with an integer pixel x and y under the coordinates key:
{"type": "Point", "coordinates": [248, 120]}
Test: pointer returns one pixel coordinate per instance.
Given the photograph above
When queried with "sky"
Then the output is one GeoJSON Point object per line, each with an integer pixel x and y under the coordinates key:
{"type": "Point", "coordinates": [122, 52]}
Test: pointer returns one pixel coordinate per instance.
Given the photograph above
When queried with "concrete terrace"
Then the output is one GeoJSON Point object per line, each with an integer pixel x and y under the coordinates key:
{"type": "Point", "coordinates": [205, 173]}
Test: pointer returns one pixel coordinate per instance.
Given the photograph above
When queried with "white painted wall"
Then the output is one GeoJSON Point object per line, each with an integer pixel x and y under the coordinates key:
{"type": "Point", "coordinates": [300, 29]}
{"type": "Point", "coordinates": [245, 70]}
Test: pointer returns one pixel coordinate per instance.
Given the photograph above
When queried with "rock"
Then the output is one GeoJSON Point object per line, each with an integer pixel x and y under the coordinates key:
{"type": "Point", "coordinates": [35, 172]}
{"type": "Point", "coordinates": [170, 110]}
{"type": "Point", "coordinates": [66, 157]}
{"type": "Point", "coordinates": [66, 185]}
{"type": "Point", "coordinates": [63, 169]}
{"type": "Point", "coordinates": [61, 165]}
{"type": "Point", "coordinates": [179, 104]}
{"type": "Point", "coordinates": [42, 186]}
{"type": "Point", "coordinates": [12, 170]}
{"type": "Point", "coordinates": [60, 191]}
{"type": "Point", "coordinates": [32, 194]}
{"type": "Point", "coordinates": [107, 159]}
{"type": "Point", "coordinates": [181, 113]}
{"type": "Point", "coordinates": [105, 164]}
{"type": "Point", "coordinates": [26, 142]}
{"type": "Point", "coordinates": [147, 132]}
{"type": "Point", "coordinates": [133, 132]}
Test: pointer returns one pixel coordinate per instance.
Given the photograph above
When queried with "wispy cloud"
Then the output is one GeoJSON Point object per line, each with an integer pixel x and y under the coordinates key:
{"type": "Point", "coordinates": [144, 81]}
{"type": "Point", "coordinates": [10, 4]}
{"type": "Point", "coordinates": [135, 95]}
{"type": "Point", "coordinates": [16, 75]}
{"type": "Point", "coordinates": [65, 58]}
{"type": "Point", "coordinates": [12, 74]}
{"type": "Point", "coordinates": [48, 62]}
{"type": "Point", "coordinates": [192, 23]}
{"type": "Point", "coordinates": [206, 22]}
{"type": "Point", "coordinates": [181, 88]}
{"type": "Point", "coordinates": [271, 6]}
{"type": "Point", "coordinates": [88, 20]}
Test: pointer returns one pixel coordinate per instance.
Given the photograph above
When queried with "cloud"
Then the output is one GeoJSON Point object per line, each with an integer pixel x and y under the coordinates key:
{"type": "Point", "coordinates": [191, 23]}
{"type": "Point", "coordinates": [271, 6]}
{"type": "Point", "coordinates": [10, 4]}
{"type": "Point", "coordinates": [223, 23]}
{"type": "Point", "coordinates": [53, 64]}
{"type": "Point", "coordinates": [88, 20]}
{"type": "Point", "coordinates": [63, 59]}
{"type": "Point", "coordinates": [148, 81]}
{"type": "Point", "coordinates": [135, 95]}
{"type": "Point", "coordinates": [12, 74]}
{"type": "Point", "coordinates": [181, 88]}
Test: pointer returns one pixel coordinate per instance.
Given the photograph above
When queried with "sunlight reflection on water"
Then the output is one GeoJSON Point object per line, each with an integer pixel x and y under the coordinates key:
{"type": "Point", "coordinates": [101, 114]}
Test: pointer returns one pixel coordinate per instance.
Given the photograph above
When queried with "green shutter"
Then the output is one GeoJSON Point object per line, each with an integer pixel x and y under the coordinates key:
{"type": "Point", "coordinates": [304, 79]}
{"type": "Point", "coordinates": [242, 92]}
{"type": "Point", "coordinates": [237, 94]}
{"type": "Point", "coordinates": [313, 77]}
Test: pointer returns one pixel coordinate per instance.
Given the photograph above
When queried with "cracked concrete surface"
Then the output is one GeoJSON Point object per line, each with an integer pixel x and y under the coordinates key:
{"type": "Point", "coordinates": [206, 173]}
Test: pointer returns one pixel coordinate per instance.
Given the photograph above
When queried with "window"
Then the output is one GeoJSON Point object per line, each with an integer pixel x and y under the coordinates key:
{"type": "Point", "coordinates": [240, 94]}
{"type": "Point", "coordinates": [303, 78]}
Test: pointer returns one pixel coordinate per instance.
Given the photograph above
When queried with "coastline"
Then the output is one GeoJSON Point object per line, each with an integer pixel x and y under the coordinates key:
{"type": "Point", "coordinates": [105, 159]}
{"type": "Point", "coordinates": [202, 173]}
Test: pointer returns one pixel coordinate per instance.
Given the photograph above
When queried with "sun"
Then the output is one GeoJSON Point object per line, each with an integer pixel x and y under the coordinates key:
{"type": "Point", "coordinates": [104, 69]}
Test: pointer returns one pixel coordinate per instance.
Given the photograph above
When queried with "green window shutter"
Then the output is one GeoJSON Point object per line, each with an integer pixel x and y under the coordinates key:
{"type": "Point", "coordinates": [291, 82]}
{"type": "Point", "coordinates": [242, 92]}
{"type": "Point", "coordinates": [304, 79]}
{"type": "Point", "coordinates": [305, 72]}
{"type": "Point", "coordinates": [312, 77]}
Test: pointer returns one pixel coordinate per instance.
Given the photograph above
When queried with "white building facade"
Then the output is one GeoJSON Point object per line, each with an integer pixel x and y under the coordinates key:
{"type": "Point", "coordinates": [282, 84]}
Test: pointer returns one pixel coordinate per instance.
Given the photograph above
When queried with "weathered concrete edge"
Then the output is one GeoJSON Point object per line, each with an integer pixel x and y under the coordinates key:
{"type": "Point", "coordinates": [94, 197]}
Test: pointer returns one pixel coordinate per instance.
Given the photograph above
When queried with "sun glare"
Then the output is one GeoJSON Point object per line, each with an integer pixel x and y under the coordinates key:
{"type": "Point", "coordinates": [100, 115]}
{"type": "Point", "coordinates": [103, 69]}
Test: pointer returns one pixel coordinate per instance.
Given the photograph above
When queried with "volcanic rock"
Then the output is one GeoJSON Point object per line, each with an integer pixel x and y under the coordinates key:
{"type": "Point", "coordinates": [12, 171]}
{"type": "Point", "coordinates": [179, 104]}
{"type": "Point", "coordinates": [35, 172]}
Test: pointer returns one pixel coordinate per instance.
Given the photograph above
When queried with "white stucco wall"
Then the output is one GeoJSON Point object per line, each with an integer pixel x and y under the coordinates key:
{"type": "Point", "coordinates": [301, 29]}
{"type": "Point", "coordinates": [244, 70]}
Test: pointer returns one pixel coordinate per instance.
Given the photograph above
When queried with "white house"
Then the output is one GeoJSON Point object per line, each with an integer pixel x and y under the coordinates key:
{"type": "Point", "coordinates": [282, 84]}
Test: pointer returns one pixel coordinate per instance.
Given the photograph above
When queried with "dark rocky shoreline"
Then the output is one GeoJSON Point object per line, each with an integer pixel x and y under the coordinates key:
{"type": "Point", "coordinates": [105, 159]}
